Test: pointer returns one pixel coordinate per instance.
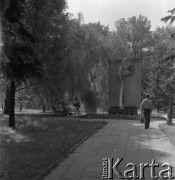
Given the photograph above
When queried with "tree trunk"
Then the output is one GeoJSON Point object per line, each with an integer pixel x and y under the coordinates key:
{"type": "Point", "coordinates": [12, 105]}
{"type": "Point", "coordinates": [7, 101]}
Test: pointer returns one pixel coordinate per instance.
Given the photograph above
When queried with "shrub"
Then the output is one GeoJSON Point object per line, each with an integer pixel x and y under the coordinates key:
{"type": "Point", "coordinates": [90, 100]}
{"type": "Point", "coordinates": [107, 116]}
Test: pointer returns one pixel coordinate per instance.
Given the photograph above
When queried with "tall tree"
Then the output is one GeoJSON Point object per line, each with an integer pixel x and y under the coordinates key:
{"type": "Point", "coordinates": [159, 67]}
{"type": "Point", "coordinates": [133, 37]}
{"type": "Point", "coordinates": [22, 42]}
{"type": "Point", "coordinates": [20, 58]}
{"type": "Point", "coordinates": [134, 34]}
{"type": "Point", "coordinates": [170, 18]}
{"type": "Point", "coordinates": [88, 55]}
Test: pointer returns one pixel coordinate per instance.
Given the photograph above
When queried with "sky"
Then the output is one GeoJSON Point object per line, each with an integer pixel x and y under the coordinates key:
{"type": "Point", "coordinates": [109, 11]}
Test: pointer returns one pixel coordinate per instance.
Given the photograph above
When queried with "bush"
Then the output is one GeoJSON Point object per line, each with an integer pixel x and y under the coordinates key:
{"type": "Point", "coordinates": [107, 116]}
{"type": "Point", "coordinates": [90, 100]}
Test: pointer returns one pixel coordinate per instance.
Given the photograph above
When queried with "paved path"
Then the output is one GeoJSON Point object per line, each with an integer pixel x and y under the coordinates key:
{"type": "Point", "coordinates": [127, 139]}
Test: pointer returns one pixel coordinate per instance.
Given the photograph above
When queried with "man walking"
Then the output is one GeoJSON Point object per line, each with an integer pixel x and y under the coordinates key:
{"type": "Point", "coordinates": [146, 108]}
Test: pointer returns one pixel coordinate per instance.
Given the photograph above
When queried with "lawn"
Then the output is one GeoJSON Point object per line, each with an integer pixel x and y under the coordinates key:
{"type": "Point", "coordinates": [168, 130]}
{"type": "Point", "coordinates": [38, 142]}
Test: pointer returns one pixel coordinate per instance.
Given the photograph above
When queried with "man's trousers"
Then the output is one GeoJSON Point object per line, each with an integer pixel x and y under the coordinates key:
{"type": "Point", "coordinates": [147, 114]}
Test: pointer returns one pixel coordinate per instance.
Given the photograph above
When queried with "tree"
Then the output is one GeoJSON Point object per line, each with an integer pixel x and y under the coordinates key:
{"type": "Point", "coordinates": [134, 34]}
{"type": "Point", "coordinates": [53, 84]}
{"type": "Point", "coordinates": [19, 57]}
{"type": "Point", "coordinates": [133, 38]}
{"type": "Point", "coordinates": [170, 17]}
{"type": "Point", "coordinates": [22, 58]}
{"type": "Point", "coordinates": [88, 55]}
{"type": "Point", "coordinates": [159, 67]}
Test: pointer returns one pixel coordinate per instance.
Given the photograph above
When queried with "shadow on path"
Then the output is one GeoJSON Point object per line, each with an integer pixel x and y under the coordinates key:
{"type": "Point", "coordinates": [118, 139]}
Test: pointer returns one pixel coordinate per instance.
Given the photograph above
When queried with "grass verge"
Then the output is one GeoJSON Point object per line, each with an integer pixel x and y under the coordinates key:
{"type": "Point", "coordinates": [37, 143]}
{"type": "Point", "coordinates": [168, 130]}
{"type": "Point", "coordinates": [158, 117]}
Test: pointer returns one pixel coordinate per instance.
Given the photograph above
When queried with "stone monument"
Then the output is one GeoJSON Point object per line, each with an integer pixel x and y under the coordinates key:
{"type": "Point", "coordinates": [124, 86]}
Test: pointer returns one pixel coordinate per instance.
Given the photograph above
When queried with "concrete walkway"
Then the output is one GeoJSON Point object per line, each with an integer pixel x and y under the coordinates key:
{"type": "Point", "coordinates": [118, 139]}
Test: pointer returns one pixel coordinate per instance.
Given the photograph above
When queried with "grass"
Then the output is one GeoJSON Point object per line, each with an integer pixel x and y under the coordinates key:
{"type": "Point", "coordinates": [37, 143]}
{"type": "Point", "coordinates": [168, 130]}
{"type": "Point", "coordinates": [158, 117]}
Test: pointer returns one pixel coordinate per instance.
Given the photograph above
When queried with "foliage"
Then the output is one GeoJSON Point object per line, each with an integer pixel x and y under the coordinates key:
{"type": "Point", "coordinates": [133, 35]}
{"type": "Point", "coordinates": [3, 5]}
{"type": "Point", "coordinates": [27, 32]}
{"type": "Point", "coordinates": [79, 64]}
{"type": "Point", "coordinates": [133, 40]}
{"type": "Point", "coordinates": [72, 56]}
{"type": "Point", "coordinates": [20, 59]}
{"type": "Point", "coordinates": [87, 57]}
{"type": "Point", "coordinates": [160, 76]}
{"type": "Point", "coordinates": [170, 17]}
{"type": "Point", "coordinates": [91, 102]}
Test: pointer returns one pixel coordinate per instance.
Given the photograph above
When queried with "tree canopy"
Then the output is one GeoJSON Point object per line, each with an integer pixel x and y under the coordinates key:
{"type": "Point", "coordinates": [24, 40]}
{"type": "Point", "coordinates": [60, 57]}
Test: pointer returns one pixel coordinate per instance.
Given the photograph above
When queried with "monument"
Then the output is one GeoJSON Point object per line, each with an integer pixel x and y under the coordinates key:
{"type": "Point", "coordinates": [124, 86]}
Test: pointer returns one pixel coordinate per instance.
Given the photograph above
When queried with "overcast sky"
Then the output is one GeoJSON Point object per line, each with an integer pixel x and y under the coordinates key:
{"type": "Point", "coordinates": [109, 11]}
